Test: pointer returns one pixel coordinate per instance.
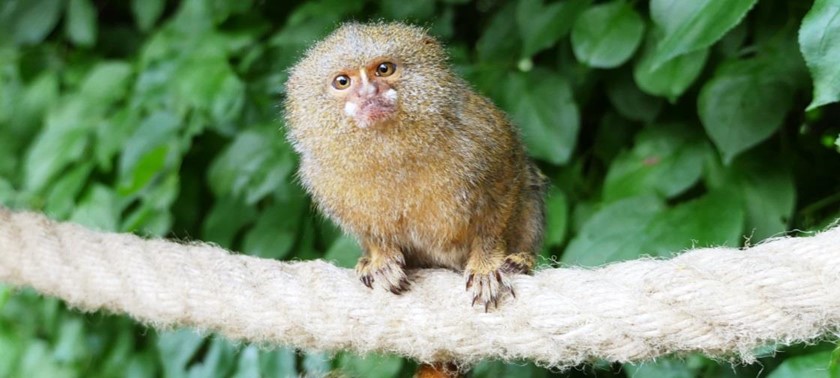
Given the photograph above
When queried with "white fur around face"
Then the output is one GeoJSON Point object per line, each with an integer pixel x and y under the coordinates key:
{"type": "Point", "coordinates": [390, 94]}
{"type": "Point", "coordinates": [350, 108]}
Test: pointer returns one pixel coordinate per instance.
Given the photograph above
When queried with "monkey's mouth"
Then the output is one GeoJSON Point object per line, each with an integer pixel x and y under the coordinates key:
{"type": "Point", "coordinates": [375, 110]}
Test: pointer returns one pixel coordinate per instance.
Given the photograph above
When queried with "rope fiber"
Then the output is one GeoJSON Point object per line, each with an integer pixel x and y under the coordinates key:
{"type": "Point", "coordinates": [721, 302]}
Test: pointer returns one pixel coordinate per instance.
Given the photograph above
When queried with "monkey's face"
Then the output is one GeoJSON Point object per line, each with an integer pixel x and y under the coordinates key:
{"type": "Point", "coordinates": [368, 93]}
{"type": "Point", "coordinates": [366, 78]}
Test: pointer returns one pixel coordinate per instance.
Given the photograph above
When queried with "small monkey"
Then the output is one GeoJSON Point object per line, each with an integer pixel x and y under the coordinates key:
{"type": "Point", "coordinates": [405, 156]}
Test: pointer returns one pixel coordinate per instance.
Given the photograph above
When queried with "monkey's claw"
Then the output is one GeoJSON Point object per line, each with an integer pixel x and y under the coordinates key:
{"type": "Point", "coordinates": [519, 263]}
{"type": "Point", "coordinates": [488, 288]}
{"type": "Point", "coordinates": [387, 273]}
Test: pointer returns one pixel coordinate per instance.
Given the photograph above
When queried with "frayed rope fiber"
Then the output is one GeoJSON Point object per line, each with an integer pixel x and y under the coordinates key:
{"type": "Point", "coordinates": [718, 301]}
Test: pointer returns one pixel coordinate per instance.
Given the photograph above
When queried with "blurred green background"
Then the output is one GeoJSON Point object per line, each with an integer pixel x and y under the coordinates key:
{"type": "Point", "coordinates": [662, 124]}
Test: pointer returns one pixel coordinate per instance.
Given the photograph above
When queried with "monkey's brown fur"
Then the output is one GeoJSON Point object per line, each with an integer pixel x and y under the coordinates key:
{"type": "Point", "coordinates": [442, 180]}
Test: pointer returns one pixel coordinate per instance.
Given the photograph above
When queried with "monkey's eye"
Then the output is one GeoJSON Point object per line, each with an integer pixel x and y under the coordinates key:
{"type": "Point", "coordinates": [341, 82]}
{"type": "Point", "coordinates": [385, 69]}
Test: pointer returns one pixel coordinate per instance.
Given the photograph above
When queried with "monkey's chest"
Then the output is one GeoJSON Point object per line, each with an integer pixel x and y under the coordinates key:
{"type": "Point", "coordinates": [411, 204]}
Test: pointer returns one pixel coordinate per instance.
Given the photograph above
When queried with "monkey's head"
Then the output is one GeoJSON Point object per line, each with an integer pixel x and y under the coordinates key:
{"type": "Point", "coordinates": [365, 78]}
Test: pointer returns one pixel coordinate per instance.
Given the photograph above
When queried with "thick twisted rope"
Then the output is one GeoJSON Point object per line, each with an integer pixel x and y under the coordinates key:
{"type": "Point", "coordinates": [718, 301]}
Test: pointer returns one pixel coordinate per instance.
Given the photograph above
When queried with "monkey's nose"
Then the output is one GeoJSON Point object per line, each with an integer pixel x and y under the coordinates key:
{"type": "Point", "coordinates": [368, 90]}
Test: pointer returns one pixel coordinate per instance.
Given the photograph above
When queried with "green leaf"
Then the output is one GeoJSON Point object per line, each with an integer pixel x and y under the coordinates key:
{"type": "Point", "coordinates": [666, 160]}
{"type": "Point", "coordinates": [148, 166]}
{"type": "Point", "coordinates": [119, 354]}
{"type": "Point", "coordinates": [149, 152]}
{"type": "Point", "coordinates": [147, 12]}
{"type": "Point", "coordinates": [662, 367]}
{"type": "Point", "coordinates": [143, 364]}
{"type": "Point", "coordinates": [606, 35]}
{"type": "Point", "coordinates": [107, 82]}
{"type": "Point", "coordinates": [614, 233]}
{"type": "Point", "coordinates": [5, 293]}
{"type": "Point", "coordinates": [316, 364]}
{"type": "Point", "coordinates": [112, 134]}
{"type": "Point", "coordinates": [30, 21]}
{"type": "Point", "coordinates": [498, 43]}
{"type": "Point", "coordinates": [690, 26]}
{"type": "Point", "coordinates": [310, 21]}
{"type": "Point", "coordinates": [766, 185]}
{"type": "Point", "coordinates": [541, 26]}
{"type": "Point", "coordinates": [81, 23]}
{"type": "Point", "coordinates": [8, 153]}
{"type": "Point", "coordinates": [98, 209]}
{"type": "Point", "coordinates": [176, 349]}
{"type": "Point", "coordinates": [407, 10]}
{"type": "Point", "coordinates": [371, 365]}
{"type": "Point", "coordinates": [344, 252]}
{"type": "Point", "coordinates": [669, 79]}
{"type": "Point", "coordinates": [557, 217]}
{"type": "Point", "coordinates": [70, 345]}
{"type": "Point", "coordinates": [493, 369]}
{"type": "Point", "coordinates": [7, 193]}
{"type": "Point", "coordinates": [814, 365]}
{"type": "Point", "coordinates": [218, 360]}
{"type": "Point", "coordinates": [62, 141]}
{"type": "Point", "coordinates": [37, 362]}
{"type": "Point", "coordinates": [487, 78]}
{"type": "Point", "coordinates": [770, 198]}
{"type": "Point", "coordinates": [205, 80]}
{"type": "Point", "coordinates": [743, 105]}
{"type": "Point", "coordinates": [819, 40]}
{"type": "Point", "coordinates": [257, 163]}
{"type": "Point", "coordinates": [11, 346]}
{"type": "Point", "coordinates": [629, 228]}
{"type": "Point", "coordinates": [542, 105]}
{"type": "Point", "coordinates": [630, 101]}
{"type": "Point", "coordinates": [280, 362]}
{"type": "Point", "coordinates": [153, 216]}
{"type": "Point", "coordinates": [226, 218]}
{"type": "Point", "coordinates": [37, 98]}
{"type": "Point", "coordinates": [276, 230]}
{"type": "Point", "coordinates": [224, 10]}
{"type": "Point", "coordinates": [716, 219]}
{"type": "Point", "coordinates": [248, 365]}
{"type": "Point", "coordinates": [61, 198]}
{"type": "Point", "coordinates": [614, 135]}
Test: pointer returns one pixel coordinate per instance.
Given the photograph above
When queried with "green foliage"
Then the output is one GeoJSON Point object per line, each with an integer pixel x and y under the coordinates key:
{"type": "Point", "coordinates": [543, 104]}
{"type": "Point", "coordinates": [812, 365]}
{"type": "Point", "coordinates": [688, 26]}
{"type": "Point", "coordinates": [820, 41]}
{"type": "Point", "coordinates": [606, 35]}
{"type": "Point", "coordinates": [663, 125]}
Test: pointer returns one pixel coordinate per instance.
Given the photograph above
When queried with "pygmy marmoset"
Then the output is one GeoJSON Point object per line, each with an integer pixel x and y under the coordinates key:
{"type": "Point", "coordinates": [405, 156]}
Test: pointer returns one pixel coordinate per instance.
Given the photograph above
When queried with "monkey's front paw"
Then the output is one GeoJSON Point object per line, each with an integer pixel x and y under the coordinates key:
{"type": "Point", "coordinates": [487, 288]}
{"type": "Point", "coordinates": [387, 273]}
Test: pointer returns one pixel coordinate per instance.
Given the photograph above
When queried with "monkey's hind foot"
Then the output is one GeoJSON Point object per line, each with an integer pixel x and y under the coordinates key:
{"type": "Point", "coordinates": [387, 273]}
{"type": "Point", "coordinates": [488, 283]}
{"type": "Point", "coordinates": [519, 263]}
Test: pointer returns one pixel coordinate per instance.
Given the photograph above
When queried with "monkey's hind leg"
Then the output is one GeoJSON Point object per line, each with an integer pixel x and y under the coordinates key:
{"type": "Point", "coordinates": [384, 266]}
{"type": "Point", "coordinates": [525, 236]}
{"type": "Point", "coordinates": [493, 260]}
